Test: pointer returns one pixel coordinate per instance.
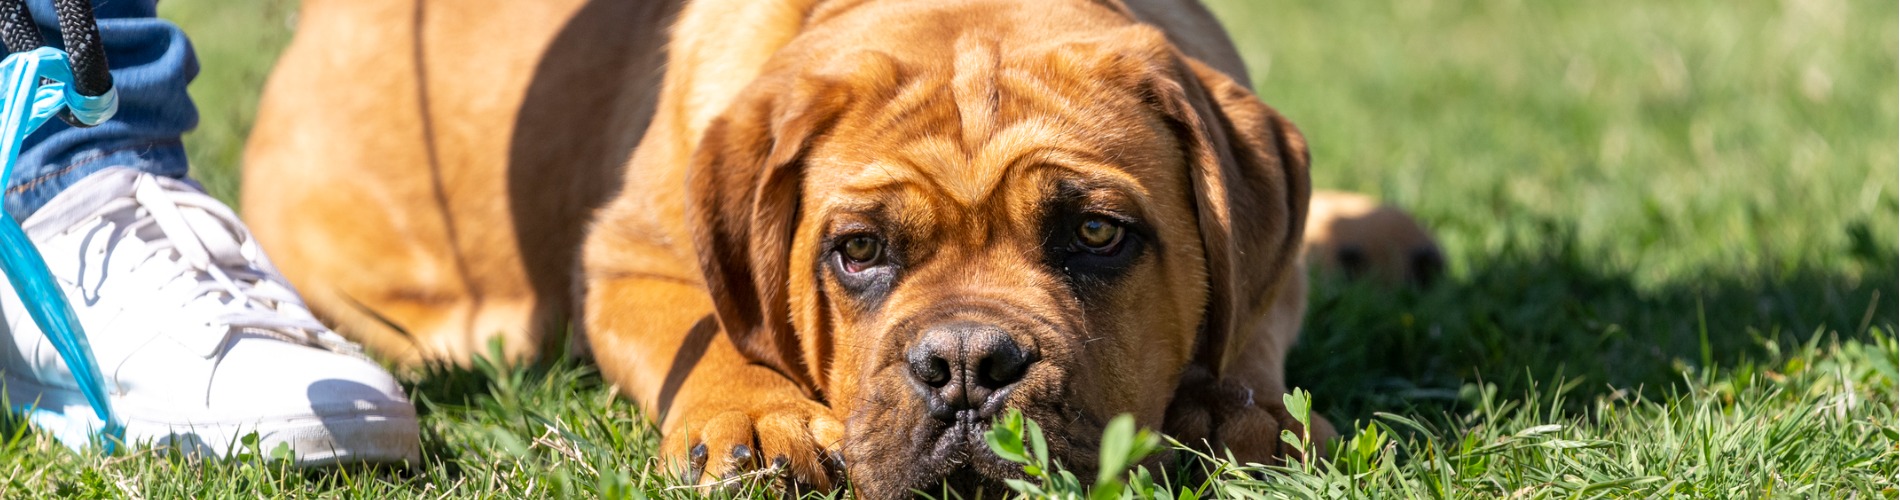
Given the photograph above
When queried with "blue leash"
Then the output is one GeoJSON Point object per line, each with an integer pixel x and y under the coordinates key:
{"type": "Point", "coordinates": [38, 85]}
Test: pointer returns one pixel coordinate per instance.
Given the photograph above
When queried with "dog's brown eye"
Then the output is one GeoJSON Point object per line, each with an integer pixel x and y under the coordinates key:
{"type": "Point", "coordinates": [1098, 235]}
{"type": "Point", "coordinates": [861, 249]}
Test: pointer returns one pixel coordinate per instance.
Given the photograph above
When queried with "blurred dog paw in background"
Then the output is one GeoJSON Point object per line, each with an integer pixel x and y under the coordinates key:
{"type": "Point", "coordinates": [1353, 236]}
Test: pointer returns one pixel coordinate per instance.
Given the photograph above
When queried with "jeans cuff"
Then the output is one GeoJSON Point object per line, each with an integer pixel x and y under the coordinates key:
{"type": "Point", "coordinates": [163, 158]}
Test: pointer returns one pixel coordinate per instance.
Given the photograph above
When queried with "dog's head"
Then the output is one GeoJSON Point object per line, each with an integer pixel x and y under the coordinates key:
{"type": "Point", "coordinates": [1059, 215]}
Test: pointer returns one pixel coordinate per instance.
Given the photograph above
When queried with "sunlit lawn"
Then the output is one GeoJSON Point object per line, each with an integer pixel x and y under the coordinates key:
{"type": "Point", "coordinates": [1671, 227]}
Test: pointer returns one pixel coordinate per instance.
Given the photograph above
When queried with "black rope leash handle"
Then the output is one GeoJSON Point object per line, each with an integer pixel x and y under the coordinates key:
{"type": "Point", "coordinates": [16, 27]}
{"type": "Point", "coordinates": [80, 31]}
{"type": "Point", "coordinates": [77, 28]}
{"type": "Point", "coordinates": [85, 51]}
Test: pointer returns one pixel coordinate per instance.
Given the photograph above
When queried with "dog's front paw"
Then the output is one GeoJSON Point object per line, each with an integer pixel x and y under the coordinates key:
{"type": "Point", "coordinates": [1254, 432]}
{"type": "Point", "coordinates": [789, 436]}
{"type": "Point", "coordinates": [1226, 415]}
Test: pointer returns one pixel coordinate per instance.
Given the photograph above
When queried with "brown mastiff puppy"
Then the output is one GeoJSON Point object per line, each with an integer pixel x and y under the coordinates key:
{"type": "Point", "coordinates": [851, 231]}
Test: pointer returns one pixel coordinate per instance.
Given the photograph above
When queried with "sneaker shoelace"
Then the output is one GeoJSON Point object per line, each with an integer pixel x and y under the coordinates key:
{"type": "Point", "coordinates": [204, 242]}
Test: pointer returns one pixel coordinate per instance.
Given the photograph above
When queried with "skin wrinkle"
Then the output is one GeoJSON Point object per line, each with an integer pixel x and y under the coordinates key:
{"type": "Point", "coordinates": [914, 97]}
{"type": "Point", "coordinates": [976, 92]}
{"type": "Point", "coordinates": [938, 173]}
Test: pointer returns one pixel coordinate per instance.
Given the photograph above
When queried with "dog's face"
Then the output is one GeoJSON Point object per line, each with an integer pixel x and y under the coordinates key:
{"type": "Point", "coordinates": [925, 238]}
{"type": "Point", "coordinates": [998, 239]}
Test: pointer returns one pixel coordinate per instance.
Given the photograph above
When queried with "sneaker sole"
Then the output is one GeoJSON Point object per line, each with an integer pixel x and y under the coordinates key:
{"type": "Point", "coordinates": [367, 437]}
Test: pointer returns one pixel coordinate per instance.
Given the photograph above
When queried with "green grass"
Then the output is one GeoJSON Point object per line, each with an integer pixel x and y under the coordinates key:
{"type": "Point", "coordinates": [1671, 226]}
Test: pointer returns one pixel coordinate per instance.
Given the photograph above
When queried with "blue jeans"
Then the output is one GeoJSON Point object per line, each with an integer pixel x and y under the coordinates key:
{"type": "Point", "coordinates": [151, 63]}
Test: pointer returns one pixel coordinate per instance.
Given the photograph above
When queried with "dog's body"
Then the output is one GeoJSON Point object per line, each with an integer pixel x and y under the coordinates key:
{"type": "Point", "coordinates": [440, 194]}
{"type": "Point", "coordinates": [424, 170]}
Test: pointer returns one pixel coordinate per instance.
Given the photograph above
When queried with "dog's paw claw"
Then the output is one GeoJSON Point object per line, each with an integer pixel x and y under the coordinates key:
{"type": "Point", "coordinates": [695, 464]}
{"type": "Point", "coordinates": [801, 440]}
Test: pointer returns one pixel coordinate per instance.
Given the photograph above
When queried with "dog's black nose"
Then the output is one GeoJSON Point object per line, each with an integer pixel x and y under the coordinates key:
{"type": "Point", "coordinates": [962, 367]}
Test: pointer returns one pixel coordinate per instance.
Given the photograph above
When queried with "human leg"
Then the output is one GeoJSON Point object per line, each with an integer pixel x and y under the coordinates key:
{"type": "Point", "coordinates": [201, 340]}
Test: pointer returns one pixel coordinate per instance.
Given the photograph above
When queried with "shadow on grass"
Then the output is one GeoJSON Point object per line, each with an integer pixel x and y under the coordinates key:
{"type": "Point", "coordinates": [1538, 315]}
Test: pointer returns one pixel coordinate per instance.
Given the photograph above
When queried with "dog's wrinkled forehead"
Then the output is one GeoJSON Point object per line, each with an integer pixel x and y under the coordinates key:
{"type": "Point", "coordinates": [961, 128]}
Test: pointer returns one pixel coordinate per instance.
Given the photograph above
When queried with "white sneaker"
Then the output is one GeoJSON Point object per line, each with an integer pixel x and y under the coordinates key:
{"type": "Point", "coordinates": [201, 341]}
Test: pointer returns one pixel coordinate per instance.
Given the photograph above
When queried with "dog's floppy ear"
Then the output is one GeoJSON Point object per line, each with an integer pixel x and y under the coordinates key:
{"type": "Point", "coordinates": [742, 200]}
{"type": "Point", "coordinates": [743, 190]}
{"type": "Point", "coordinates": [1248, 168]}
